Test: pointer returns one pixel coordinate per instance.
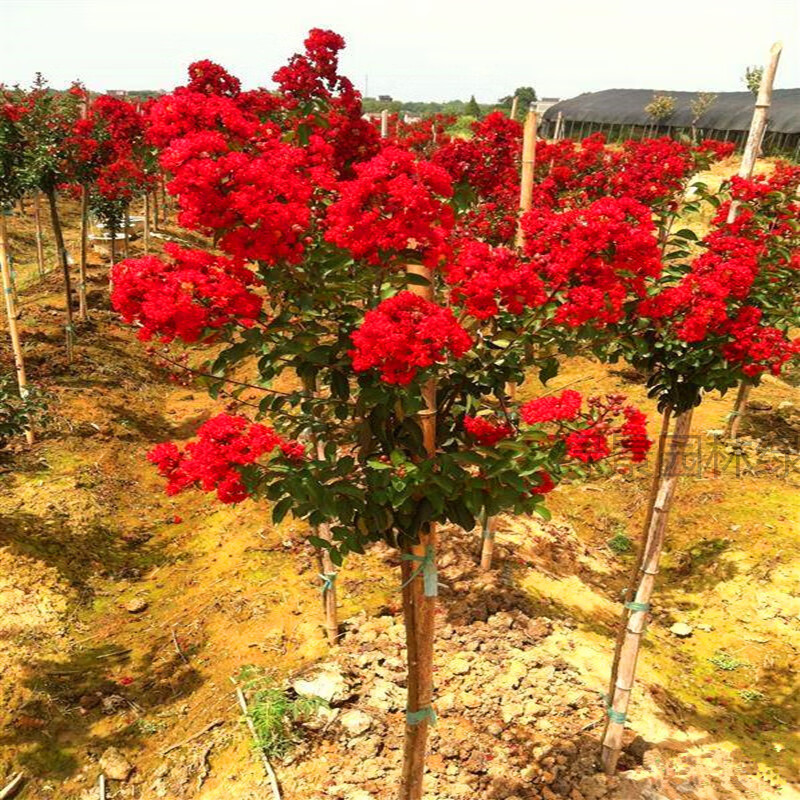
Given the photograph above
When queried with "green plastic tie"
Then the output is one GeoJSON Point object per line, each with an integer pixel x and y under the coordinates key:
{"type": "Point", "coordinates": [617, 716]}
{"type": "Point", "coordinates": [632, 605]}
{"type": "Point", "coordinates": [426, 566]}
{"type": "Point", "coordinates": [328, 579]}
{"type": "Point", "coordinates": [416, 717]}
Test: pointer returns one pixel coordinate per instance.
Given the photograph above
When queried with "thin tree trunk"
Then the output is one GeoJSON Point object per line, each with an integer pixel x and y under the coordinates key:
{"type": "Point", "coordinates": [419, 606]}
{"type": "Point", "coordinates": [384, 123]}
{"type": "Point", "coordinates": [11, 313]}
{"type": "Point", "coordinates": [147, 223]}
{"type": "Point", "coordinates": [83, 309]}
{"type": "Point", "coordinates": [163, 186]}
{"type": "Point", "coordinates": [37, 216]}
{"type": "Point", "coordinates": [328, 571]}
{"type": "Point", "coordinates": [63, 259]}
{"type": "Point", "coordinates": [126, 222]}
{"type": "Point", "coordinates": [155, 211]}
{"type": "Point", "coordinates": [640, 606]}
{"type": "Point", "coordinates": [514, 105]}
{"type": "Point", "coordinates": [112, 245]}
{"type": "Point", "coordinates": [754, 138]}
{"type": "Point", "coordinates": [739, 407]}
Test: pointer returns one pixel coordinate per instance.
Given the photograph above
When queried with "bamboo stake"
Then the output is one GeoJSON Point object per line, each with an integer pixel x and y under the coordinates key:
{"type": "Point", "coordinates": [147, 223]}
{"type": "Point", "coordinates": [639, 608]}
{"type": "Point", "coordinates": [11, 313]}
{"type": "Point", "coordinates": [514, 105]}
{"type": "Point", "coordinates": [525, 201]}
{"type": "Point", "coordinates": [528, 165]}
{"type": "Point", "coordinates": [755, 136]}
{"type": "Point", "coordinates": [83, 309]}
{"type": "Point", "coordinates": [63, 259]}
{"type": "Point", "coordinates": [37, 217]}
{"type": "Point", "coordinates": [419, 607]}
{"type": "Point", "coordinates": [384, 123]}
{"type": "Point", "coordinates": [273, 780]}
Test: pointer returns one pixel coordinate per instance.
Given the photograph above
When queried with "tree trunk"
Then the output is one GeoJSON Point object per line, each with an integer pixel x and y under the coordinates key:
{"type": "Point", "coordinates": [384, 124]}
{"type": "Point", "coordinates": [63, 259]}
{"type": "Point", "coordinates": [126, 222]}
{"type": "Point", "coordinates": [739, 407]}
{"type": "Point", "coordinates": [328, 571]}
{"type": "Point", "coordinates": [638, 609]}
{"type": "Point", "coordinates": [83, 309]}
{"type": "Point", "coordinates": [155, 211]}
{"type": "Point", "coordinates": [11, 313]}
{"type": "Point", "coordinates": [147, 223]}
{"type": "Point", "coordinates": [37, 216]}
{"type": "Point", "coordinates": [163, 186]}
{"type": "Point", "coordinates": [512, 114]}
{"type": "Point", "coordinates": [112, 245]}
{"type": "Point", "coordinates": [419, 606]}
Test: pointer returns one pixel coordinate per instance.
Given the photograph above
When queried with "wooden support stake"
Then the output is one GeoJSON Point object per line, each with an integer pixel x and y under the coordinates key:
{"type": "Point", "coordinates": [419, 609]}
{"type": "Point", "coordinates": [528, 165]}
{"type": "Point", "coordinates": [637, 615]}
{"type": "Point", "coordinates": [11, 313]}
{"type": "Point", "coordinates": [758, 126]}
{"type": "Point", "coordinates": [514, 105]}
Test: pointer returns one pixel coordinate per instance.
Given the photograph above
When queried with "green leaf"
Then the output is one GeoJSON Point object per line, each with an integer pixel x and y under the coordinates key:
{"type": "Point", "coordinates": [281, 509]}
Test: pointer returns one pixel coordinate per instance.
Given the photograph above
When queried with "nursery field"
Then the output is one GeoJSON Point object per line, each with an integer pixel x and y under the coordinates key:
{"type": "Point", "coordinates": [375, 458]}
{"type": "Point", "coordinates": [127, 614]}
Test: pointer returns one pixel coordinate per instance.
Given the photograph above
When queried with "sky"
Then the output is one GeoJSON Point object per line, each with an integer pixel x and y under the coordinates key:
{"type": "Point", "coordinates": [412, 50]}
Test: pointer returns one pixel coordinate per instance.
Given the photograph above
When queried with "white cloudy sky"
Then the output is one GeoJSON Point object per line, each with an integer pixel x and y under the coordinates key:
{"type": "Point", "coordinates": [411, 49]}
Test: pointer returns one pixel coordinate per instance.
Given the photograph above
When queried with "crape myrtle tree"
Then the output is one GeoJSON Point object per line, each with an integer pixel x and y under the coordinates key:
{"type": "Point", "coordinates": [45, 120]}
{"type": "Point", "coordinates": [345, 269]}
{"type": "Point", "coordinates": [11, 190]}
{"type": "Point", "coordinates": [720, 313]}
{"type": "Point", "coordinates": [106, 162]}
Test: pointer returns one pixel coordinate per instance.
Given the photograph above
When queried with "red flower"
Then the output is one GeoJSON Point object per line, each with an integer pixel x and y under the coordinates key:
{"type": "Point", "coordinates": [405, 334]}
{"type": "Point", "coordinates": [224, 443]}
{"type": "Point", "coordinates": [554, 408]}
{"type": "Point", "coordinates": [485, 432]}
{"type": "Point", "coordinates": [396, 204]}
{"type": "Point", "coordinates": [588, 445]}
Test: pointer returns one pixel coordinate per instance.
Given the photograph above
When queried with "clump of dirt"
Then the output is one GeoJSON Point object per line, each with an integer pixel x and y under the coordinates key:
{"type": "Point", "coordinates": [775, 425]}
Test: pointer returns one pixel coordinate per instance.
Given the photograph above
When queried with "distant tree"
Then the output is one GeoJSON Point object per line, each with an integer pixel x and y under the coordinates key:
{"type": "Point", "coordinates": [525, 94]}
{"type": "Point", "coordinates": [473, 109]}
{"type": "Point", "coordinates": [660, 108]}
{"type": "Point", "coordinates": [752, 78]}
{"type": "Point", "coordinates": [699, 106]}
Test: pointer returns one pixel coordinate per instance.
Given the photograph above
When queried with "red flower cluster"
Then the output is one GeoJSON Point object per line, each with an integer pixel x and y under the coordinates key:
{"type": "Point", "coordinates": [718, 149]}
{"type": "Point", "coordinates": [486, 432]}
{"type": "Point", "coordinates": [186, 298]}
{"type": "Point", "coordinates": [596, 258]}
{"type": "Point", "coordinates": [212, 462]}
{"type": "Point", "coordinates": [405, 334]}
{"type": "Point", "coordinates": [590, 436]}
{"type": "Point", "coordinates": [486, 278]}
{"type": "Point", "coordinates": [258, 204]}
{"type": "Point", "coordinates": [563, 407]}
{"type": "Point", "coordinates": [396, 204]}
{"type": "Point", "coordinates": [746, 268]}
